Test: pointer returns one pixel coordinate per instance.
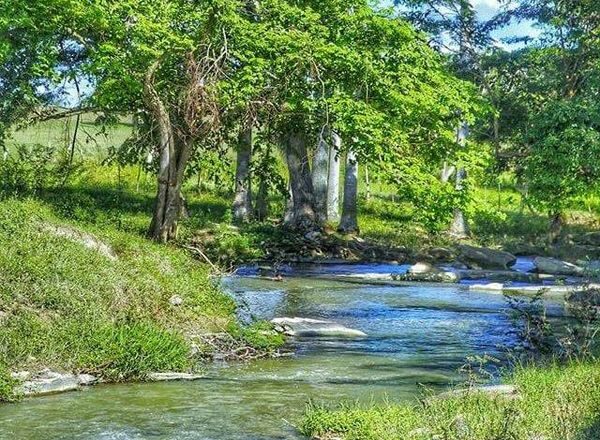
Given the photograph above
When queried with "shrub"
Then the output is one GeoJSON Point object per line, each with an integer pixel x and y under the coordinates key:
{"type": "Point", "coordinates": [7, 385]}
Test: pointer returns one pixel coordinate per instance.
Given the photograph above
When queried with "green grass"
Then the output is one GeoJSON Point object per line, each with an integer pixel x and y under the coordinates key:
{"type": "Point", "coordinates": [68, 307]}
{"type": "Point", "coordinates": [556, 403]}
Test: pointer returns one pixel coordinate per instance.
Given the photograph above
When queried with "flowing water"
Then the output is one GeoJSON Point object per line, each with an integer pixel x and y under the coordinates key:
{"type": "Point", "coordinates": [418, 336]}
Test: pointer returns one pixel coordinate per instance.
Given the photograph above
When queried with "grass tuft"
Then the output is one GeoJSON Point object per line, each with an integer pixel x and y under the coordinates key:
{"type": "Point", "coordinates": [555, 403]}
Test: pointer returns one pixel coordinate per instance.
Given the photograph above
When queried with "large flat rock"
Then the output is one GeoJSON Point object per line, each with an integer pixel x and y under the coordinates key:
{"type": "Point", "coordinates": [556, 267]}
{"type": "Point", "coordinates": [485, 258]}
{"type": "Point", "coordinates": [49, 382]}
{"type": "Point", "coordinates": [529, 290]}
{"type": "Point", "coordinates": [307, 327]}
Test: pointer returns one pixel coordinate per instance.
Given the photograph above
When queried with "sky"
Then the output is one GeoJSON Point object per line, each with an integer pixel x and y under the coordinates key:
{"type": "Point", "coordinates": [488, 8]}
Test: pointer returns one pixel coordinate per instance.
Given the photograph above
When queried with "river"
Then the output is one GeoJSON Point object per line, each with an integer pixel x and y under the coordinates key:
{"type": "Point", "coordinates": [418, 336]}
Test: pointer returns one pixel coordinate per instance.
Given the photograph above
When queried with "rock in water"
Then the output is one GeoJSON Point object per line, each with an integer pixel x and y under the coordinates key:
{"type": "Point", "coordinates": [314, 327]}
{"type": "Point", "coordinates": [484, 258]}
{"type": "Point", "coordinates": [172, 375]}
{"type": "Point", "coordinates": [422, 271]}
{"type": "Point", "coordinates": [49, 382]}
{"type": "Point", "coordinates": [555, 267]}
{"type": "Point", "coordinates": [489, 287]}
{"type": "Point", "coordinates": [421, 267]}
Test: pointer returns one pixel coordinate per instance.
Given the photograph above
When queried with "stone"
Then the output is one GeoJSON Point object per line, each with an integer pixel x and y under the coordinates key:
{"type": "Point", "coordinates": [591, 267]}
{"type": "Point", "coordinates": [441, 254]}
{"type": "Point", "coordinates": [555, 267]}
{"type": "Point", "coordinates": [490, 287]}
{"type": "Point", "coordinates": [83, 238]}
{"type": "Point", "coordinates": [48, 382]}
{"type": "Point", "coordinates": [422, 267]}
{"type": "Point", "coordinates": [307, 327]}
{"type": "Point", "coordinates": [172, 375]}
{"type": "Point", "coordinates": [313, 235]}
{"type": "Point", "coordinates": [176, 300]}
{"type": "Point", "coordinates": [484, 258]}
{"type": "Point", "coordinates": [86, 379]}
{"type": "Point", "coordinates": [499, 275]}
{"type": "Point", "coordinates": [591, 238]}
{"type": "Point", "coordinates": [509, 391]}
{"type": "Point", "coordinates": [533, 290]}
{"type": "Point", "coordinates": [21, 376]}
{"type": "Point", "coordinates": [430, 277]}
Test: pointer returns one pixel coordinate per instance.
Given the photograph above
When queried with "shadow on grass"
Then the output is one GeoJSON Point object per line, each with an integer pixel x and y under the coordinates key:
{"type": "Point", "coordinates": [592, 432]}
{"type": "Point", "coordinates": [124, 208]}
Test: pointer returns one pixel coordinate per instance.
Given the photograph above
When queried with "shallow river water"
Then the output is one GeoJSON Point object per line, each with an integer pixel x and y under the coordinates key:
{"type": "Point", "coordinates": [418, 336]}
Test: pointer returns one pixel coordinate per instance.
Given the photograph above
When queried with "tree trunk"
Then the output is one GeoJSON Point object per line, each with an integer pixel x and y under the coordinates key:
{"type": "Point", "coordinates": [242, 202]}
{"type": "Point", "coordinates": [447, 172]}
{"type": "Point", "coordinates": [320, 177]}
{"type": "Point", "coordinates": [349, 222]}
{"type": "Point", "coordinates": [173, 158]}
{"type": "Point", "coordinates": [556, 224]}
{"type": "Point", "coordinates": [367, 184]}
{"type": "Point", "coordinates": [460, 226]}
{"type": "Point", "coordinates": [262, 202]}
{"type": "Point", "coordinates": [303, 216]}
{"type": "Point", "coordinates": [288, 214]}
{"type": "Point", "coordinates": [333, 179]}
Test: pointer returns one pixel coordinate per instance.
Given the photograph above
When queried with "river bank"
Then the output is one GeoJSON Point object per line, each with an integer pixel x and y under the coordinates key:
{"type": "Point", "coordinates": [552, 402]}
{"type": "Point", "coordinates": [91, 299]}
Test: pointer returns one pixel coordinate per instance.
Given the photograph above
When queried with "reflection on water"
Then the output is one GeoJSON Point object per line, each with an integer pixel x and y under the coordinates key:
{"type": "Point", "coordinates": [417, 336]}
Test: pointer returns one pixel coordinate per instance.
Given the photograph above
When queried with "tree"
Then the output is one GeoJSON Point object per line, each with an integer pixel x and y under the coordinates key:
{"type": "Point", "coordinates": [333, 178]}
{"type": "Point", "coordinates": [242, 202]}
{"type": "Point", "coordinates": [349, 221]}
{"type": "Point", "coordinates": [559, 139]}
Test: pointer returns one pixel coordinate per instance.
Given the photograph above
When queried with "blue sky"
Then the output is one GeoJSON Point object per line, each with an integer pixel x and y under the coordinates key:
{"type": "Point", "coordinates": [487, 9]}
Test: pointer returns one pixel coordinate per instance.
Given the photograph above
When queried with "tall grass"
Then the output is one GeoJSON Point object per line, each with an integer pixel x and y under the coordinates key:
{"type": "Point", "coordinates": [554, 403]}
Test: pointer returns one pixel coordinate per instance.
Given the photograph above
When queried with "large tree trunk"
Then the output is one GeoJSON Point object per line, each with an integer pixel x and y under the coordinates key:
{"type": "Point", "coordinates": [320, 176]}
{"type": "Point", "coordinates": [242, 202]}
{"type": "Point", "coordinates": [173, 158]}
{"type": "Point", "coordinates": [302, 215]}
{"type": "Point", "coordinates": [262, 202]}
{"type": "Point", "coordinates": [349, 221]}
{"type": "Point", "coordinates": [460, 226]}
{"type": "Point", "coordinates": [556, 224]}
{"type": "Point", "coordinates": [333, 179]}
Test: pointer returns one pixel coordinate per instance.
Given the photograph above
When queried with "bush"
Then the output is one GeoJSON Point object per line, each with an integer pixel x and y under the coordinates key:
{"type": "Point", "coordinates": [7, 385]}
{"type": "Point", "coordinates": [33, 169]}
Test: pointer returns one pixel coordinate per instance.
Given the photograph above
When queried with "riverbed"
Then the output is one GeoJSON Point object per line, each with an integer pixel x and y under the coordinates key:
{"type": "Point", "coordinates": [418, 335]}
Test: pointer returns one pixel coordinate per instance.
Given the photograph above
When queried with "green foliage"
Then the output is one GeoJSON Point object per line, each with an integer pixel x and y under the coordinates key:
{"type": "Point", "coordinates": [34, 168]}
{"type": "Point", "coordinates": [7, 384]}
{"type": "Point", "coordinates": [565, 152]}
{"type": "Point", "coordinates": [556, 402]}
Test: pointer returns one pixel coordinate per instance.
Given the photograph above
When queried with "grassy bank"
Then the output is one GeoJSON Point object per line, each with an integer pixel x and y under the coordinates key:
{"type": "Point", "coordinates": [70, 307]}
{"type": "Point", "coordinates": [555, 403]}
